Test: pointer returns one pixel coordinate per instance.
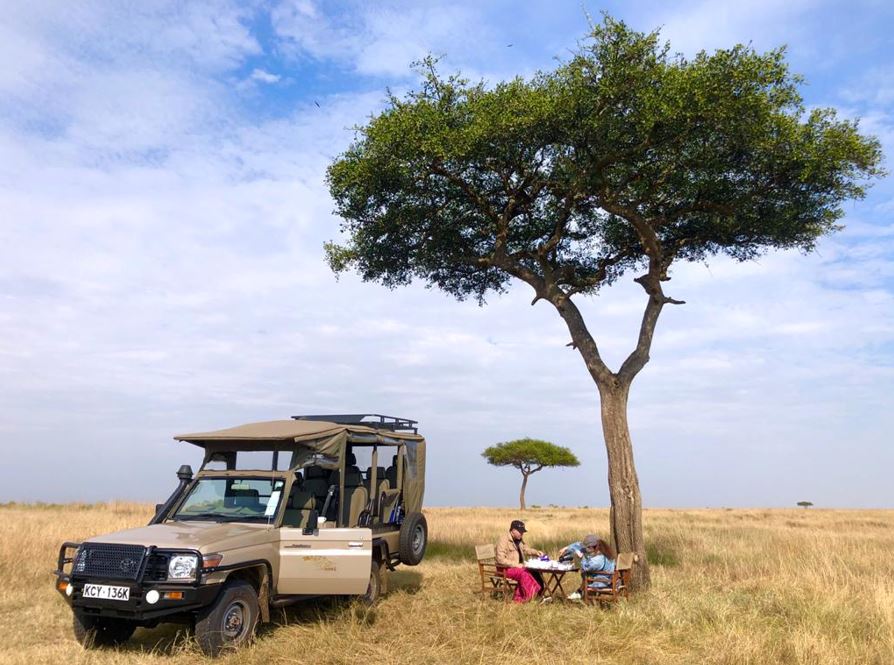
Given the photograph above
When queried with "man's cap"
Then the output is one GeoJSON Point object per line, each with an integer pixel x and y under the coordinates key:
{"type": "Point", "coordinates": [590, 540]}
{"type": "Point", "coordinates": [518, 525]}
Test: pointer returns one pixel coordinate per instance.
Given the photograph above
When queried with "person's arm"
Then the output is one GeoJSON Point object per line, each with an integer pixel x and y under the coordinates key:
{"type": "Point", "coordinates": [530, 551]}
{"type": "Point", "coordinates": [593, 564]}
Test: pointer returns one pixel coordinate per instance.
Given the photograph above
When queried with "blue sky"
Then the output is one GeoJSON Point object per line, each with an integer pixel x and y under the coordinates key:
{"type": "Point", "coordinates": [162, 214]}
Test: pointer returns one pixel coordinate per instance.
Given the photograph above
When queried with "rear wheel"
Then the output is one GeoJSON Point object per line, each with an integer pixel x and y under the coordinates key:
{"type": "Point", "coordinates": [374, 590]}
{"type": "Point", "coordinates": [93, 631]}
{"type": "Point", "coordinates": [413, 539]}
{"type": "Point", "coordinates": [231, 621]}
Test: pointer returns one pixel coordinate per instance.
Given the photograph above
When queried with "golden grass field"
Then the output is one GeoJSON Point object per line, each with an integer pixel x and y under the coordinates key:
{"type": "Point", "coordinates": [729, 587]}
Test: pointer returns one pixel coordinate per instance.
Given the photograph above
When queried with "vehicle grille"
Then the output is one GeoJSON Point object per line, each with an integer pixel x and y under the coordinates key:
{"type": "Point", "coordinates": [156, 568]}
{"type": "Point", "coordinates": [122, 562]}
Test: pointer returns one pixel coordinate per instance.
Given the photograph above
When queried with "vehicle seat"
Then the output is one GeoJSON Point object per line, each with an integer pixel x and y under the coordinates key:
{"type": "Point", "coordinates": [391, 473]}
{"type": "Point", "coordinates": [356, 501]}
{"type": "Point", "coordinates": [356, 496]}
{"type": "Point", "coordinates": [350, 465]}
{"type": "Point", "coordinates": [389, 501]}
{"type": "Point", "coordinates": [299, 507]}
{"type": "Point", "coordinates": [382, 483]}
{"type": "Point", "coordinates": [316, 483]}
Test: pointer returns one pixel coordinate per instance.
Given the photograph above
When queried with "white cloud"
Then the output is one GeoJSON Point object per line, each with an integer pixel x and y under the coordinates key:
{"type": "Point", "coordinates": [713, 24]}
{"type": "Point", "coordinates": [381, 39]}
{"type": "Point", "coordinates": [264, 76]}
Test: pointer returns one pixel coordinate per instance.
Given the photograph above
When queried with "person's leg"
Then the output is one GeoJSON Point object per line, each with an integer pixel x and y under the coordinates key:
{"type": "Point", "coordinates": [527, 586]}
{"type": "Point", "coordinates": [516, 575]}
{"type": "Point", "coordinates": [530, 586]}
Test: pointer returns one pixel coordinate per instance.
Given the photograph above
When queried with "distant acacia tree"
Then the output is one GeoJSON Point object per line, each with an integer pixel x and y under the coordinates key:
{"type": "Point", "coordinates": [805, 504]}
{"type": "Point", "coordinates": [529, 456]}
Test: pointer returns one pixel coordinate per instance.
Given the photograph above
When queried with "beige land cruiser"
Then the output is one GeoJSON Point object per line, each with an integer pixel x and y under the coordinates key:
{"type": "Point", "coordinates": [232, 542]}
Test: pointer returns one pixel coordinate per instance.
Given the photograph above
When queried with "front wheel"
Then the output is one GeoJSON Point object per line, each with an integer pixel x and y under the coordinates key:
{"type": "Point", "coordinates": [231, 621]}
{"type": "Point", "coordinates": [93, 631]}
{"type": "Point", "coordinates": [413, 539]}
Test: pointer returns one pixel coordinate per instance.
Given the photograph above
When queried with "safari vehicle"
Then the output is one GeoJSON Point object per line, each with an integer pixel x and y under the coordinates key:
{"type": "Point", "coordinates": [233, 542]}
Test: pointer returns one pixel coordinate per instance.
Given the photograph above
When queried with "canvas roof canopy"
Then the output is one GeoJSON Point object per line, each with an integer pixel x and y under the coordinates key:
{"type": "Point", "coordinates": [254, 436]}
{"type": "Point", "coordinates": [311, 442]}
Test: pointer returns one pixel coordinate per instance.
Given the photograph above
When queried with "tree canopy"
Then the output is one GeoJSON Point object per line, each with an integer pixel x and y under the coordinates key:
{"type": "Point", "coordinates": [529, 456]}
{"type": "Point", "coordinates": [624, 157]}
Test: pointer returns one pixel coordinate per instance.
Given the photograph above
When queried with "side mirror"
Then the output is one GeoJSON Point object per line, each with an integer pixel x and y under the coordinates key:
{"type": "Point", "coordinates": [158, 507]}
{"type": "Point", "coordinates": [184, 472]}
{"type": "Point", "coordinates": [312, 523]}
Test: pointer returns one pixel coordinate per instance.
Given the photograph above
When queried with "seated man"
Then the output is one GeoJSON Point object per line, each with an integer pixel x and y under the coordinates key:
{"type": "Point", "coordinates": [597, 562]}
{"type": "Point", "coordinates": [511, 553]}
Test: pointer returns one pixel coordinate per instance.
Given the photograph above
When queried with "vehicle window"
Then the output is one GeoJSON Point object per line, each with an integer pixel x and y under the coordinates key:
{"type": "Point", "coordinates": [232, 500]}
{"type": "Point", "coordinates": [363, 457]}
{"type": "Point", "coordinates": [410, 468]}
{"type": "Point", "coordinates": [255, 459]}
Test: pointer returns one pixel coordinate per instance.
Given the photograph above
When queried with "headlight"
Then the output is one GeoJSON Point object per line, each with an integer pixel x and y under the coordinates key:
{"type": "Point", "coordinates": [79, 560]}
{"type": "Point", "coordinates": [182, 567]}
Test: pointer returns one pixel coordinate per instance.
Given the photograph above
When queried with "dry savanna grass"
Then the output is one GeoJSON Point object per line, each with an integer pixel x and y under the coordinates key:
{"type": "Point", "coordinates": [729, 587]}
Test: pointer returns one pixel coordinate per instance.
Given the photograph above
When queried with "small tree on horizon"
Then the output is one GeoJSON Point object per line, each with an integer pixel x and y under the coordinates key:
{"type": "Point", "coordinates": [805, 504]}
{"type": "Point", "coordinates": [529, 456]}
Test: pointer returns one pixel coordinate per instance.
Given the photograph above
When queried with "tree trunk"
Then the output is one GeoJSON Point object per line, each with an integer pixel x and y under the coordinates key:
{"type": "Point", "coordinates": [623, 483]}
{"type": "Point", "coordinates": [521, 495]}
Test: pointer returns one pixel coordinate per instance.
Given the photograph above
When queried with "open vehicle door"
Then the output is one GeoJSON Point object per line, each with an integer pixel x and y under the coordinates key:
{"type": "Point", "coordinates": [326, 561]}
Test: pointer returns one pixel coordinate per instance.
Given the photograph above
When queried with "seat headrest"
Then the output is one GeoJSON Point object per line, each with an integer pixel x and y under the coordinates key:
{"type": "Point", "coordinates": [351, 460]}
{"type": "Point", "coordinates": [246, 497]}
{"type": "Point", "coordinates": [353, 477]}
{"type": "Point", "coordinates": [380, 472]}
{"type": "Point", "coordinates": [315, 472]}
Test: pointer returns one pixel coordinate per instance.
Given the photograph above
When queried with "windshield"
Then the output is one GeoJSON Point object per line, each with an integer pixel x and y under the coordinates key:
{"type": "Point", "coordinates": [231, 500]}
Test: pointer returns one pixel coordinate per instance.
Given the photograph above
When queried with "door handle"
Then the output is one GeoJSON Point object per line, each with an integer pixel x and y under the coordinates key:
{"type": "Point", "coordinates": [300, 546]}
{"type": "Point", "coordinates": [355, 544]}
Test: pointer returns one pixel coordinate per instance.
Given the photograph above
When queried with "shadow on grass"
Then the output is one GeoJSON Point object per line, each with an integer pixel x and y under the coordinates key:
{"type": "Point", "coordinates": [165, 640]}
{"type": "Point", "coordinates": [170, 639]}
{"type": "Point", "coordinates": [408, 581]}
{"type": "Point", "coordinates": [449, 551]}
{"type": "Point", "coordinates": [661, 554]}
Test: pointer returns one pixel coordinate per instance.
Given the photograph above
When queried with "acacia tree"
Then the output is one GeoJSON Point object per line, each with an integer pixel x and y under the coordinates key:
{"type": "Point", "coordinates": [805, 504]}
{"type": "Point", "coordinates": [529, 456]}
{"type": "Point", "coordinates": [624, 158]}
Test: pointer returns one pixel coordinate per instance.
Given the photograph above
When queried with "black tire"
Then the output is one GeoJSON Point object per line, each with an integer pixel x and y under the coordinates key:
{"type": "Point", "coordinates": [374, 590]}
{"type": "Point", "coordinates": [93, 631]}
{"type": "Point", "coordinates": [231, 621]}
{"type": "Point", "coordinates": [413, 539]}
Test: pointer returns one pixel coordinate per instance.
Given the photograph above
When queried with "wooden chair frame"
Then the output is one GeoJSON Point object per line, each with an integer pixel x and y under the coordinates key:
{"type": "Point", "coordinates": [618, 582]}
{"type": "Point", "coordinates": [493, 577]}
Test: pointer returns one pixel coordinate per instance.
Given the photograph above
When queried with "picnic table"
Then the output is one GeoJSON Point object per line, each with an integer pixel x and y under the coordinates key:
{"type": "Point", "coordinates": [552, 573]}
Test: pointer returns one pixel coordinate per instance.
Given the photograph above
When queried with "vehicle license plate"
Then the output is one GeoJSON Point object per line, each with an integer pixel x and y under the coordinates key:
{"type": "Point", "coordinates": [106, 592]}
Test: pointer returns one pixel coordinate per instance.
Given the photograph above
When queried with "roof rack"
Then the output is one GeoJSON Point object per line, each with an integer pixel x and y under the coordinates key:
{"type": "Point", "coordinates": [377, 421]}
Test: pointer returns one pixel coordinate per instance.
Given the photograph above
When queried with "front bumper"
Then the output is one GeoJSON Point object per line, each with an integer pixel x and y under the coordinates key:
{"type": "Point", "coordinates": [137, 608]}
